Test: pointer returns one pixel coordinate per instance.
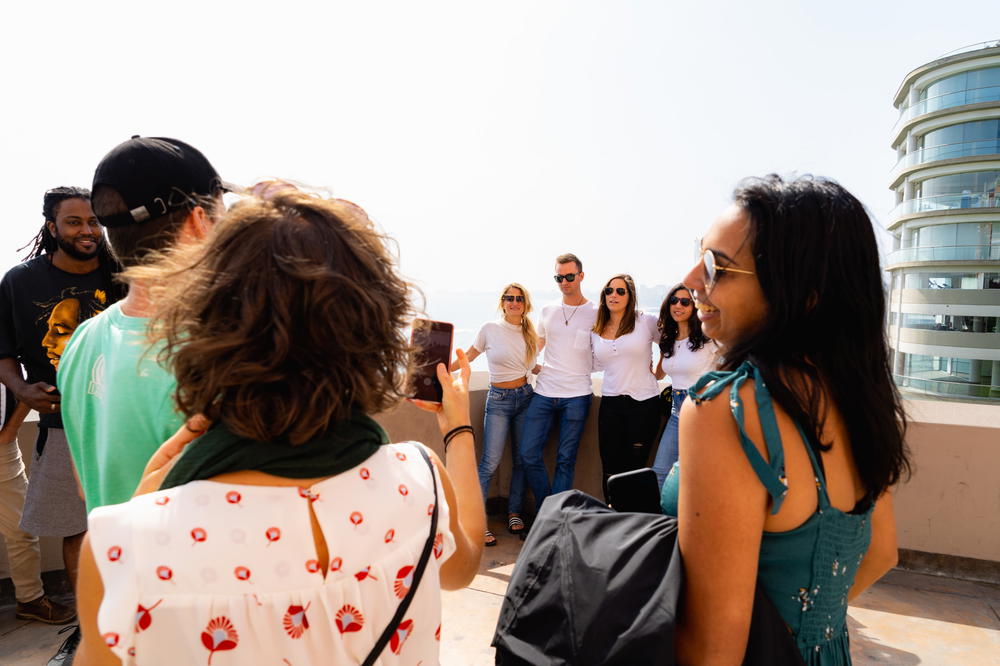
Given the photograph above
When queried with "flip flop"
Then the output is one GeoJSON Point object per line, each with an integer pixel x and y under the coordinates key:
{"type": "Point", "coordinates": [515, 524]}
{"type": "Point", "coordinates": [491, 539]}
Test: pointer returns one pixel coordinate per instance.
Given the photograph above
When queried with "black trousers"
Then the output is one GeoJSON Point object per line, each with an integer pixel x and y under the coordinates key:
{"type": "Point", "coordinates": [626, 429]}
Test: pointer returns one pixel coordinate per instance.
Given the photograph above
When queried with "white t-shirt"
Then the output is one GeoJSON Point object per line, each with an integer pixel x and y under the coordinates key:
{"type": "Point", "coordinates": [503, 344]}
{"type": "Point", "coordinates": [627, 360]}
{"type": "Point", "coordinates": [566, 369]}
{"type": "Point", "coordinates": [685, 367]}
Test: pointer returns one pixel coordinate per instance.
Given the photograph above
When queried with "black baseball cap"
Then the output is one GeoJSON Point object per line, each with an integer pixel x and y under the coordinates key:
{"type": "Point", "coordinates": [155, 175]}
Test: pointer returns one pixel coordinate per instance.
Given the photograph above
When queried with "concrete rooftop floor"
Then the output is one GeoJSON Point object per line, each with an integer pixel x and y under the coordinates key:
{"type": "Point", "coordinates": [906, 618]}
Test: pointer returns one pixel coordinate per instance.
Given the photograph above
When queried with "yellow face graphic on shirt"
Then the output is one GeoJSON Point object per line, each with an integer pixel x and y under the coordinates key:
{"type": "Point", "coordinates": [63, 320]}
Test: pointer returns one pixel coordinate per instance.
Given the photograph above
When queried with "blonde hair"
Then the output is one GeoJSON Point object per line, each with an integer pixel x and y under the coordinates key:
{"type": "Point", "coordinates": [527, 328]}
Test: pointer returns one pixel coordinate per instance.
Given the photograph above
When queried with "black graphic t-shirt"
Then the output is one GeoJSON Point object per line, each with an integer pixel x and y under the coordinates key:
{"type": "Point", "coordinates": [40, 307]}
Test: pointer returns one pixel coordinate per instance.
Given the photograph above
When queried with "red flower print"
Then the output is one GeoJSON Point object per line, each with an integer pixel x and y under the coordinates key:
{"type": "Point", "coordinates": [115, 553]}
{"type": "Point", "coordinates": [357, 518]}
{"type": "Point", "coordinates": [336, 563]}
{"type": "Point", "coordinates": [295, 621]}
{"type": "Point", "coordinates": [162, 501]}
{"type": "Point", "coordinates": [430, 509]}
{"type": "Point", "coordinates": [312, 566]}
{"type": "Point", "coordinates": [131, 652]}
{"type": "Point", "coordinates": [305, 493]}
{"type": "Point", "coordinates": [110, 639]}
{"type": "Point", "coordinates": [234, 497]}
{"type": "Point", "coordinates": [365, 573]}
{"type": "Point", "coordinates": [404, 579]}
{"type": "Point", "coordinates": [272, 534]}
{"type": "Point", "coordinates": [241, 573]}
{"type": "Point", "coordinates": [349, 618]}
{"type": "Point", "coordinates": [390, 535]}
{"type": "Point", "coordinates": [403, 490]}
{"type": "Point", "coordinates": [400, 455]}
{"type": "Point", "coordinates": [198, 535]}
{"type": "Point", "coordinates": [364, 474]}
{"type": "Point", "coordinates": [143, 618]}
{"type": "Point", "coordinates": [164, 573]}
{"type": "Point", "coordinates": [403, 632]}
{"type": "Point", "coordinates": [219, 635]}
{"type": "Point", "coordinates": [437, 633]}
{"type": "Point", "coordinates": [438, 546]}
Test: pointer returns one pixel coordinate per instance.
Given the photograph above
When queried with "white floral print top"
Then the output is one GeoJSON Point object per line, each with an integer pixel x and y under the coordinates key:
{"type": "Point", "coordinates": [225, 574]}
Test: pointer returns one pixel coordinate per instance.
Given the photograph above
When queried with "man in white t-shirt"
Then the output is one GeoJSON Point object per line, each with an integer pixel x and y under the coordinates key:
{"type": "Point", "coordinates": [563, 388]}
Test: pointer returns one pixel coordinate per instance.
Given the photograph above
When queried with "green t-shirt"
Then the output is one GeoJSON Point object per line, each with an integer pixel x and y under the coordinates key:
{"type": "Point", "coordinates": [117, 404]}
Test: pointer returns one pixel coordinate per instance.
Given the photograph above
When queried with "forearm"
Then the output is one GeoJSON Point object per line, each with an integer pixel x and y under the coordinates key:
{"type": "Point", "coordinates": [461, 465]}
{"type": "Point", "coordinates": [9, 431]}
{"type": "Point", "coordinates": [10, 375]}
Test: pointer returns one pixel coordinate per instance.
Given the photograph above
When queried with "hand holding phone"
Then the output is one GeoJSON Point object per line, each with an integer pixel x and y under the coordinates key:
{"type": "Point", "coordinates": [432, 340]}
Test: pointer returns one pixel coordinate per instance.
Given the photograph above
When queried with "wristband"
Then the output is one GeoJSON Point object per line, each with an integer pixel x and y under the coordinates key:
{"type": "Point", "coordinates": [455, 432]}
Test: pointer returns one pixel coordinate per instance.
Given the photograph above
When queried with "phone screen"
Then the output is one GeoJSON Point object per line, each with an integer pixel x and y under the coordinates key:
{"type": "Point", "coordinates": [433, 342]}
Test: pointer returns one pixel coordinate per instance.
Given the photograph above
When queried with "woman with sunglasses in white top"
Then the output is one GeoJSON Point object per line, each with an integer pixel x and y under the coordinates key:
{"type": "Point", "coordinates": [622, 340]}
{"type": "Point", "coordinates": [511, 347]}
{"type": "Point", "coordinates": [685, 355]}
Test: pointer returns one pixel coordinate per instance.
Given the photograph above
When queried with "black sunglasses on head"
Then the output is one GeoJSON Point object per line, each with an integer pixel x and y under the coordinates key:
{"type": "Point", "coordinates": [674, 300]}
{"type": "Point", "coordinates": [511, 299]}
{"type": "Point", "coordinates": [620, 290]}
{"type": "Point", "coordinates": [569, 277]}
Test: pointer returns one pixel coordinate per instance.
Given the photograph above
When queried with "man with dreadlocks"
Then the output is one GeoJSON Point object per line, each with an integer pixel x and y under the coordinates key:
{"type": "Point", "coordinates": [66, 278]}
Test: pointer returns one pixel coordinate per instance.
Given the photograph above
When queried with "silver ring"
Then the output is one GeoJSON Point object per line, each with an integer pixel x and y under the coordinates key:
{"type": "Point", "coordinates": [53, 406]}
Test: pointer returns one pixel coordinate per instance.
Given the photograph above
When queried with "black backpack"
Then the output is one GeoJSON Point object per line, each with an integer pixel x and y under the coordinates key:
{"type": "Point", "coordinates": [595, 586]}
{"type": "Point", "coordinates": [591, 586]}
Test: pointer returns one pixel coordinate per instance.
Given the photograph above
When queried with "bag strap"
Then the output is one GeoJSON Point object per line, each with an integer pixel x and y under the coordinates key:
{"type": "Point", "coordinates": [418, 573]}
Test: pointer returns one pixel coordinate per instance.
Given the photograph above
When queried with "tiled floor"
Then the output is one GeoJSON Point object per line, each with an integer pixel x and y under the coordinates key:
{"type": "Point", "coordinates": [906, 618]}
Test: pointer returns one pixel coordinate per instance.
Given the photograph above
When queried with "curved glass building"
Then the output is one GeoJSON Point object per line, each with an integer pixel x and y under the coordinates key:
{"type": "Point", "coordinates": [944, 267]}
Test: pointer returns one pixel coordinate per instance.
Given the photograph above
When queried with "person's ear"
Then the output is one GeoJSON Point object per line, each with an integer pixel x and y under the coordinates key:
{"type": "Point", "coordinates": [197, 224]}
{"type": "Point", "coordinates": [51, 226]}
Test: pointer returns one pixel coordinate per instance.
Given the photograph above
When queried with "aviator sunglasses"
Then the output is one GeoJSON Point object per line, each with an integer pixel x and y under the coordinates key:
{"type": "Point", "coordinates": [621, 291]}
{"type": "Point", "coordinates": [512, 299]}
{"type": "Point", "coordinates": [569, 277]}
{"type": "Point", "coordinates": [674, 300]}
{"type": "Point", "coordinates": [712, 270]}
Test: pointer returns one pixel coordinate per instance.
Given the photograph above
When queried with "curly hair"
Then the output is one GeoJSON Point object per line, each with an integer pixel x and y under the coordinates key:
{"type": "Point", "coordinates": [669, 330]}
{"type": "Point", "coordinates": [286, 319]}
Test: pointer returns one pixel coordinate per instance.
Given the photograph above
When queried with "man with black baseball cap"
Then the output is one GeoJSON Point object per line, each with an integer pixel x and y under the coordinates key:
{"type": "Point", "coordinates": [150, 193]}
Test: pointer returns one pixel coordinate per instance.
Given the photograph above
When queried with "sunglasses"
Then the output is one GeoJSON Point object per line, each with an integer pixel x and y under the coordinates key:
{"type": "Point", "coordinates": [512, 299]}
{"type": "Point", "coordinates": [621, 291]}
{"type": "Point", "coordinates": [569, 277]}
{"type": "Point", "coordinates": [712, 270]}
{"type": "Point", "coordinates": [674, 300]}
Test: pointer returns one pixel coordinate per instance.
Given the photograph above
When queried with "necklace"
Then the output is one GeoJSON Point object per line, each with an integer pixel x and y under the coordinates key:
{"type": "Point", "coordinates": [565, 320]}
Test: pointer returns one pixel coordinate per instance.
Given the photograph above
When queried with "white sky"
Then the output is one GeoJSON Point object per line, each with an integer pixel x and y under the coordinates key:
{"type": "Point", "coordinates": [486, 138]}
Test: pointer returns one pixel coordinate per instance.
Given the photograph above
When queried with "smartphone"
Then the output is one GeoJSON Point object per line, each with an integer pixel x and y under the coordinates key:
{"type": "Point", "coordinates": [432, 340]}
{"type": "Point", "coordinates": [634, 491]}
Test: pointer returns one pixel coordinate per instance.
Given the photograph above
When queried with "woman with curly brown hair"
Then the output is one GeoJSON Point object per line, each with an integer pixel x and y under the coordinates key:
{"type": "Point", "coordinates": [291, 529]}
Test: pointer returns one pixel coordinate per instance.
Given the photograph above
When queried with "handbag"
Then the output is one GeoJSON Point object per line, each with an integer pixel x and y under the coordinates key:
{"type": "Point", "coordinates": [418, 573]}
{"type": "Point", "coordinates": [667, 400]}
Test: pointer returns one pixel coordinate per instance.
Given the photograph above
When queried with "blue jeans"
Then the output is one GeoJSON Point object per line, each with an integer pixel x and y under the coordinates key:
{"type": "Point", "coordinates": [505, 411]}
{"type": "Point", "coordinates": [666, 453]}
{"type": "Point", "coordinates": [572, 414]}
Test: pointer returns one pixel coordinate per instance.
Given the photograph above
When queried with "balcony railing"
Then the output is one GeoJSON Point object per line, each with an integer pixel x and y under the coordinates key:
{"type": "Point", "coordinates": [945, 387]}
{"type": "Point", "coordinates": [948, 151]}
{"type": "Point", "coordinates": [947, 101]}
{"type": "Point", "coordinates": [945, 253]}
{"type": "Point", "coordinates": [945, 202]}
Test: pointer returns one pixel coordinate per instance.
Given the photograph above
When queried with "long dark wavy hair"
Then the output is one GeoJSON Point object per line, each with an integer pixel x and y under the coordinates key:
{"type": "Point", "coordinates": [45, 243]}
{"type": "Point", "coordinates": [816, 258]}
{"type": "Point", "coordinates": [669, 329]}
{"type": "Point", "coordinates": [291, 315]}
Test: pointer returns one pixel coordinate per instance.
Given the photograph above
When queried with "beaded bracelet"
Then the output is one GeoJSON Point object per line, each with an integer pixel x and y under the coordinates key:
{"type": "Point", "coordinates": [455, 432]}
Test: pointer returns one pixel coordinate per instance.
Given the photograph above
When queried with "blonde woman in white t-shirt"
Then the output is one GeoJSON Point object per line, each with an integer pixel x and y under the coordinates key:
{"type": "Point", "coordinates": [511, 347]}
{"type": "Point", "coordinates": [685, 355]}
{"type": "Point", "coordinates": [622, 340]}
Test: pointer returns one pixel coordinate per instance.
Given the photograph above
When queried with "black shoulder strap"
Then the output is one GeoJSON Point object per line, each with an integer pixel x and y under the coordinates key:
{"type": "Point", "coordinates": [418, 573]}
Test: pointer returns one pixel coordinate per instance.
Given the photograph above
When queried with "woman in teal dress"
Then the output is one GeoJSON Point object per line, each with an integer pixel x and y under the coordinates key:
{"type": "Point", "coordinates": [787, 454]}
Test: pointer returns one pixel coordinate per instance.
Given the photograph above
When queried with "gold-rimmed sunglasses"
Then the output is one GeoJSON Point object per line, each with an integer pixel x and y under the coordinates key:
{"type": "Point", "coordinates": [712, 270]}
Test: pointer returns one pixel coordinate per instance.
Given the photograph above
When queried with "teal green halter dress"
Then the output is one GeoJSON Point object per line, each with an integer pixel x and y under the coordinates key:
{"type": "Point", "coordinates": [808, 571]}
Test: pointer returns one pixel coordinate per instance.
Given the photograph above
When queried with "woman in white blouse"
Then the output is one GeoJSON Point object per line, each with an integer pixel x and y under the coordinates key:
{"type": "Point", "coordinates": [685, 355]}
{"type": "Point", "coordinates": [629, 415]}
{"type": "Point", "coordinates": [511, 347]}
